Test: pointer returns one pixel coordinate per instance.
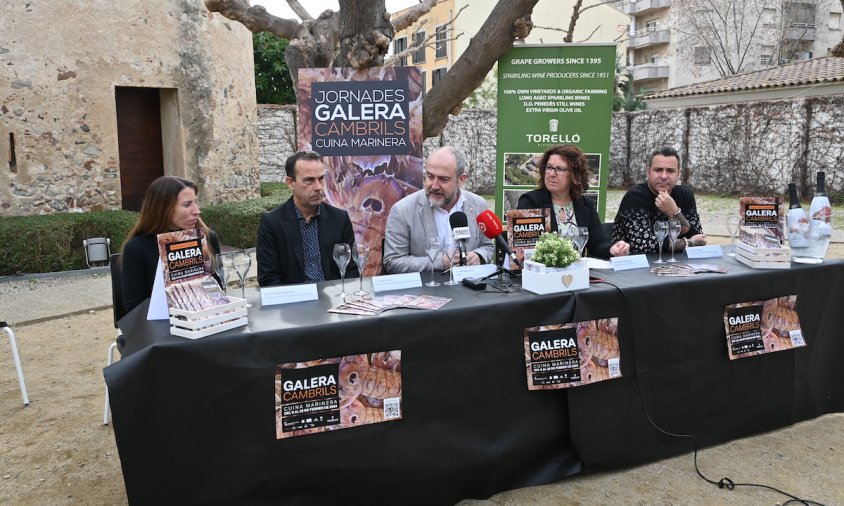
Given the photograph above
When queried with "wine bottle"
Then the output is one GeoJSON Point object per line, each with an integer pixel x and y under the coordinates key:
{"type": "Point", "coordinates": [820, 214]}
{"type": "Point", "coordinates": [797, 222]}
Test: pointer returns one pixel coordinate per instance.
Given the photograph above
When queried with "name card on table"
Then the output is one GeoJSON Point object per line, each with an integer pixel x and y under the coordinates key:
{"type": "Point", "coordinates": [472, 271]}
{"type": "Point", "coordinates": [396, 282]}
{"type": "Point", "coordinates": [286, 294]}
{"type": "Point", "coordinates": [629, 262]}
{"type": "Point", "coordinates": [709, 251]}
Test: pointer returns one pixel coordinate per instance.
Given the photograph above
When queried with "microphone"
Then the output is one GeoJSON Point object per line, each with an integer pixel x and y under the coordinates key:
{"type": "Point", "coordinates": [460, 228]}
{"type": "Point", "coordinates": [491, 227]}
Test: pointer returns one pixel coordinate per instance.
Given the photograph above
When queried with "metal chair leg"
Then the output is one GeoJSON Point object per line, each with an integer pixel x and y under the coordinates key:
{"type": "Point", "coordinates": [17, 362]}
{"type": "Point", "coordinates": [106, 409]}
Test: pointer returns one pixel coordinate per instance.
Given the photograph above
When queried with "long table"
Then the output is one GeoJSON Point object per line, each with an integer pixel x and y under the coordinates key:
{"type": "Point", "coordinates": [194, 420]}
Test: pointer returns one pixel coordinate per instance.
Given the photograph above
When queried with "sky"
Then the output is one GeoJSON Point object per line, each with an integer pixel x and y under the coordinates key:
{"type": "Point", "coordinates": [316, 7]}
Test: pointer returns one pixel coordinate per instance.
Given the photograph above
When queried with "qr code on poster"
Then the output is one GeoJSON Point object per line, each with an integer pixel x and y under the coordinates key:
{"type": "Point", "coordinates": [797, 338]}
{"type": "Point", "coordinates": [392, 408]}
{"type": "Point", "coordinates": [614, 366]}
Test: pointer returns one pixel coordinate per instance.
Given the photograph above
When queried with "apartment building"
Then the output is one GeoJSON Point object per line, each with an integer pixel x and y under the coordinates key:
{"type": "Point", "coordinates": [448, 36]}
{"type": "Point", "coordinates": [680, 42]}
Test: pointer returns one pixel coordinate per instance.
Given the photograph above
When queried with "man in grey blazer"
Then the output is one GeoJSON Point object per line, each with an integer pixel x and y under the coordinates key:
{"type": "Point", "coordinates": [426, 214]}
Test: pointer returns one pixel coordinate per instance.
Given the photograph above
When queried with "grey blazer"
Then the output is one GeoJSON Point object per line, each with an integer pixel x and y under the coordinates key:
{"type": "Point", "coordinates": [411, 222]}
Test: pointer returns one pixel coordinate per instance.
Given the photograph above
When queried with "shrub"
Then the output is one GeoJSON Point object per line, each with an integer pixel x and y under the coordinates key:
{"type": "Point", "coordinates": [53, 242]}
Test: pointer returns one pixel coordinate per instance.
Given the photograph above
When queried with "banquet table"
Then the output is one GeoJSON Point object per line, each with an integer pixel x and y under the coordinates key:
{"type": "Point", "coordinates": [194, 419]}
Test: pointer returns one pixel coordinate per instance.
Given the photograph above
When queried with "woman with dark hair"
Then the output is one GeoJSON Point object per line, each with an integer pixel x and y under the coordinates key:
{"type": "Point", "coordinates": [563, 178]}
{"type": "Point", "coordinates": [170, 204]}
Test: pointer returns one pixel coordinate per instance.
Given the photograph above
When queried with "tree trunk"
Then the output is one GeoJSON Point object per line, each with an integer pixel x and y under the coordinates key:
{"type": "Point", "coordinates": [508, 21]}
{"type": "Point", "coordinates": [365, 33]}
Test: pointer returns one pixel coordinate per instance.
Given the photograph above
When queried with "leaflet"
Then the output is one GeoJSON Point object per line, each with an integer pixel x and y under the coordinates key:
{"type": "Point", "coordinates": [759, 327]}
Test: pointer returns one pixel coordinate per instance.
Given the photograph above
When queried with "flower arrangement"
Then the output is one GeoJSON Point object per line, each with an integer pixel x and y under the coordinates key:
{"type": "Point", "coordinates": [554, 251]}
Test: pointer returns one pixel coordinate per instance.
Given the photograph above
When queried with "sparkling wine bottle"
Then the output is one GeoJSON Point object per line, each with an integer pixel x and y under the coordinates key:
{"type": "Point", "coordinates": [820, 214]}
{"type": "Point", "coordinates": [797, 223]}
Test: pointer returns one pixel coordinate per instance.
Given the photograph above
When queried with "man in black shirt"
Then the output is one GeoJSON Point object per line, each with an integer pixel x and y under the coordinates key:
{"type": "Point", "coordinates": [658, 199]}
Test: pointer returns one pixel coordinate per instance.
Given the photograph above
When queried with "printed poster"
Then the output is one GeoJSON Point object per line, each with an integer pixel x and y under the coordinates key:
{"type": "Point", "coordinates": [524, 226]}
{"type": "Point", "coordinates": [762, 221]}
{"type": "Point", "coordinates": [367, 125]}
{"type": "Point", "coordinates": [187, 265]}
{"type": "Point", "coordinates": [550, 95]}
{"type": "Point", "coordinates": [756, 328]}
{"type": "Point", "coordinates": [337, 393]}
{"type": "Point", "coordinates": [572, 354]}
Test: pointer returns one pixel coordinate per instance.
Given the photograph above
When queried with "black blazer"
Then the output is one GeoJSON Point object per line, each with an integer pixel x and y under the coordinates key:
{"type": "Point", "coordinates": [280, 252]}
{"type": "Point", "coordinates": [584, 212]}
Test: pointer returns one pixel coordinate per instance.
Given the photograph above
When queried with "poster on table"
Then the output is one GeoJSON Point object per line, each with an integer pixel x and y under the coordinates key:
{"type": "Point", "coordinates": [759, 327]}
{"type": "Point", "coordinates": [550, 95]}
{"type": "Point", "coordinates": [762, 221]}
{"type": "Point", "coordinates": [524, 226]}
{"type": "Point", "coordinates": [337, 393]}
{"type": "Point", "coordinates": [572, 354]}
{"type": "Point", "coordinates": [187, 266]}
{"type": "Point", "coordinates": [367, 125]}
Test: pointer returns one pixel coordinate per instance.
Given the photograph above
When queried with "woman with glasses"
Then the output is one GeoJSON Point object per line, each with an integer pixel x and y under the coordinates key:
{"type": "Point", "coordinates": [563, 178]}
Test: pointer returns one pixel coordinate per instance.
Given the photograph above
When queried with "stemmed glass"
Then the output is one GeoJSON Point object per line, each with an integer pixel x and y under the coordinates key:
{"type": "Point", "coordinates": [673, 233]}
{"type": "Point", "coordinates": [450, 252]}
{"type": "Point", "coordinates": [361, 254]}
{"type": "Point", "coordinates": [342, 255]}
{"type": "Point", "coordinates": [661, 231]}
{"type": "Point", "coordinates": [223, 266]}
{"type": "Point", "coordinates": [242, 262]}
{"type": "Point", "coordinates": [732, 228]}
{"type": "Point", "coordinates": [432, 248]}
{"type": "Point", "coordinates": [581, 237]}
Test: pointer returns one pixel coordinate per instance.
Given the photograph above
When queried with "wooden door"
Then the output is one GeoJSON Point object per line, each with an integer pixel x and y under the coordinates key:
{"type": "Point", "coordinates": [139, 142]}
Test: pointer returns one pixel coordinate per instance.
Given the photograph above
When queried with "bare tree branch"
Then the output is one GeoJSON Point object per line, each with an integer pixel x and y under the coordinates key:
{"type": "Point", "coordinates": [413, 14]}
{"type": "Point", "coordinates": [591, 34]}
{"type": "Point", "coordinates": [299, 10]}
{"type": "Point", "coordinates": [575, 15]}
{"type": "Point", "coordinates": [430, 40]}
{"type": "Point", "coordinates": [256, 18]}
{"type": "Point", "coordinates": [509, 20]}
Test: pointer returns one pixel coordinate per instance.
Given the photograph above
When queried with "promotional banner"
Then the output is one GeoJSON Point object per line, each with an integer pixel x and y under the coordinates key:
{"type": "Point", "coordinates": [524, 226]}
{"type": "Point", "coordinates": [756, 328]}
{"type": "Point", "coordinates": [367, 124]}
{"type": "Point", "coordinates": [572, 354]}
{"type": "Point", "coordinates": [550, 95]}
{"type": "Point", "coordinates": [337, 393]}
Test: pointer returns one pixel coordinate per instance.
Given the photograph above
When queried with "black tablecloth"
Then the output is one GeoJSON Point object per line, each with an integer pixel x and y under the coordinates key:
{"type": "Point", "coordinates": [194, 420]}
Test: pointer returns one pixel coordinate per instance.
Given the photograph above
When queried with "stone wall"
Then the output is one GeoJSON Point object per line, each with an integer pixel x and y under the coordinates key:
{"type": "Point", "coordinates": [61, 61]}
{"type": "Point", "coordinates": [734, 149]}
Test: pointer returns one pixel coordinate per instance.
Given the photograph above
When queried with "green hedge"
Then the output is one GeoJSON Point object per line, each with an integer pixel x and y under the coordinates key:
{"type": "Point", "coordinates": [52, 243]}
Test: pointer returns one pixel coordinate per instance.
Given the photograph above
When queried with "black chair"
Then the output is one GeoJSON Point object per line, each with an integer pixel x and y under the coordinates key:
{"type": "Point", "coordinates": [118, 312]}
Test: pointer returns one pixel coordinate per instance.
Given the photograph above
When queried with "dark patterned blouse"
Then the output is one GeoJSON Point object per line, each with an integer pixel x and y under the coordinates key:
{"type": "Point", "coordinates": [637, 213]}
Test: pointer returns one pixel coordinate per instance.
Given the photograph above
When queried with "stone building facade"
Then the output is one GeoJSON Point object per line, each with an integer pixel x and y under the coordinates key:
{"type": "Point", "coordinates": [70, 77]}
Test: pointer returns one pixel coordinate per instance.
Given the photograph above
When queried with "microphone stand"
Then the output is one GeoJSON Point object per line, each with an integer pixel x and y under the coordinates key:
{"type": "Point", "coordinates": [500, 271]}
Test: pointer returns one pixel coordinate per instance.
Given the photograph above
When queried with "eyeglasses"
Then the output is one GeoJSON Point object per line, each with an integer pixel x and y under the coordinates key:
{"type": "Point", "coordinates": [557, 170]}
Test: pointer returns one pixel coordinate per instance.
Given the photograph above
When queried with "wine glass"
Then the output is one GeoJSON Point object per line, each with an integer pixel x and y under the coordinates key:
{"type": "Point", "coordinates": [581, 237]}
{"type": "Point", "coordinates": [361, 254]}
{"type": "Point", "coordinates": [661, 231]}
{"type": "Point", "coordinates": [242, 262]}
{"type": "Point", "coordinates": [223, 266]}
{"type": "Point", "coordinates": [432, 248]}
{"type": "Point", "coordinates": [732, 228]}
{"type": "Point", "coordinates": [673, 233]}
{"type": "Point", "coordinates": [342, 255]}
{"type": "Point", "coordinates": [450, 252]}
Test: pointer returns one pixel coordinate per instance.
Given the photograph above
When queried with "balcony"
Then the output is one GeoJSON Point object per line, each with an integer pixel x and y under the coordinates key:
{"type": "Point", "coordinates": [800, 31]}
{"type": "Point", "coordinates": [636, 7]}
{"type": "Point", "coordinates": [650, 71]}
{"type": "Point", "coordinates": [649, 37]}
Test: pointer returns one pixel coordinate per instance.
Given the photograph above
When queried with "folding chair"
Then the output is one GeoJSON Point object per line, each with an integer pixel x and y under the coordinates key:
{"type": "Point", "coordinates": [118, 311]}
{"type": "Point", "coordinates": [17, 358]}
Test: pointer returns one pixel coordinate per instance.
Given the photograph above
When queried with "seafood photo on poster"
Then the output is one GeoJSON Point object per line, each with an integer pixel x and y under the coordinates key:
{"type": "Point", "coordinates": [524, 226]}
{"type": "Point", "coordinates": [367, 124]}
{"type": "Point", "coordinates": [337, 393]}
{"type": "Point", "coordinates": [759, 327]}
{"type": "Point", "coordinates": [567, 355]}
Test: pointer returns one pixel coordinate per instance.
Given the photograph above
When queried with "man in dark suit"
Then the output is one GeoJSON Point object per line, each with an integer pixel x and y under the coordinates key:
{"type": "Point", "coordinates": [296, 240]}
